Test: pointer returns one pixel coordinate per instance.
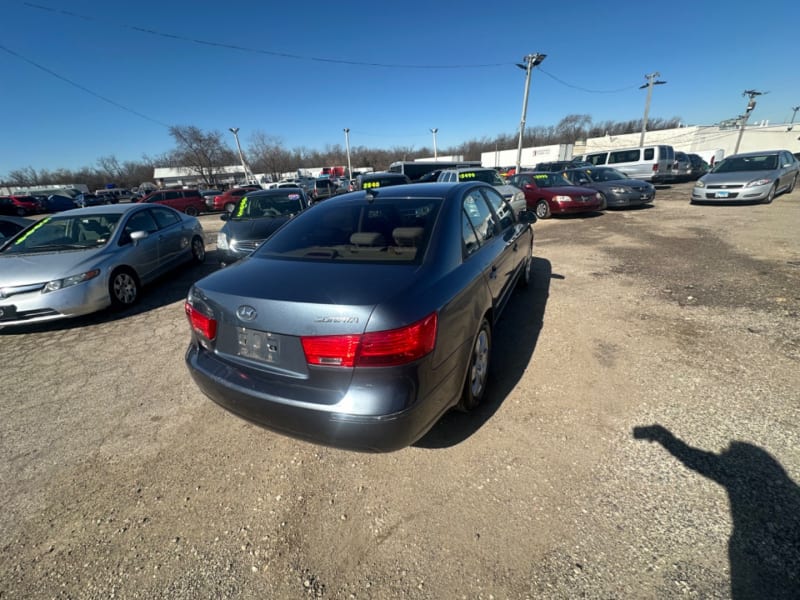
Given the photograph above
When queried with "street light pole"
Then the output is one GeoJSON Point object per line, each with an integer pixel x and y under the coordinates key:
{"type": "Point", "coordinates": [435, 152]}
{"type": "Point", "coordinates": [531, 60]}
{"type": "Point", "coordinates": [651, 81]}
{"type": "Point", "coordinates": [347, 145]}
{"type": "Point", "coordinates": [751, 104]}
{"type": "Point", "coordinates": [235, 132]}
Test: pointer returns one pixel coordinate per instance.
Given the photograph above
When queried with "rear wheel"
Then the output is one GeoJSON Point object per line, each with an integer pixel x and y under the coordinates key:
{"type": "Point", "coordinates": [524, 280]}
{"type": "Point", "coordinates": [191, 211]}
{"type": "Point", "coordinates": [603, 201]}
{"type": "Point", "coordinates": [542, 209]}
{"type": "Point", "coordinates": [123, 288]}
{"type": "Point", "coordinates": [791, 187]}
{"type": "Point", "coordinates": [21, 212]}
{"type": "Point", "coordinates": [478, 369]}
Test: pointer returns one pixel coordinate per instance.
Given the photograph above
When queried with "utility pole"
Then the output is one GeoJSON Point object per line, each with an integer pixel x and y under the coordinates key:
{"type": "Point", "coordinates": [435, 152]}
{"type": "Point", "coordinates": [531, 60]}
{"type": "Point", "coordinates": [347, 145]}
{"type": "Point", "coordinates": [651, 81]}
{"type": "Point", "coordinates": [743, 118]}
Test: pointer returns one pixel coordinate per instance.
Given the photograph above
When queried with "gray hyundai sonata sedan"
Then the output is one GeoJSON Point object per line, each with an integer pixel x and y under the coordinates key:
{"type": "Point", "coordinates": [365, 318]}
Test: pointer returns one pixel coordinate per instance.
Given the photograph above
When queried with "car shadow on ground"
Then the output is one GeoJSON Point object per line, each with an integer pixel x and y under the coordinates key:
{"type": "Point", "coordinates": [167, 289]}
{"type": "Point", "coordinates": [514, 340]}
{"type": "Point", "coordinates": [765, 511]}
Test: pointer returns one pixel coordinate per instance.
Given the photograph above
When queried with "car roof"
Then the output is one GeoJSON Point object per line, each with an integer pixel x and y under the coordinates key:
{"type": "Point", "coordinates": [761, 153]}
{"type": "Point", "coordinates": [107, 209]}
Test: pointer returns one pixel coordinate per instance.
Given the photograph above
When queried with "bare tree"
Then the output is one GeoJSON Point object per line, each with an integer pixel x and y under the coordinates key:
{"type": "Point", "coordinates": [201, 152]}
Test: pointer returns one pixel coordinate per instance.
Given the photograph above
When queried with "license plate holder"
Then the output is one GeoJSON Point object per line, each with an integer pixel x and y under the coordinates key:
{"type": "Point", "coordinates": [258, 345]}
{"type": "Point", "coordinates": [722, 194]}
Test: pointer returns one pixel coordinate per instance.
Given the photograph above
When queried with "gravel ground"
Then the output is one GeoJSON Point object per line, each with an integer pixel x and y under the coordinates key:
{"type": "Point", "coordinates": [640, 440]}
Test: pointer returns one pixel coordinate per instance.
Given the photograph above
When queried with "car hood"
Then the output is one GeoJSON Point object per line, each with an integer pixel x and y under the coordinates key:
{"type": "Point", "coordinates": [312, 298]}
{"type": "Point", "coordinates": [253, 229]}
{"type": "Point", "coordinates": [40, 267]}
{"type": "Point", "coordinates": [604, 185]}
{"type": "Point", "coordinates": [507, 190]}
{"type": "Point", "coordinates": [736, 177]}
{"type": "Point", "coordinates": [570, 190]}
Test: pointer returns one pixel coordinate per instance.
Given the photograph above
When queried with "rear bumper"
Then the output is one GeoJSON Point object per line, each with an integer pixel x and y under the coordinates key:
{"type": "Point", "coordinates": [319, 424]}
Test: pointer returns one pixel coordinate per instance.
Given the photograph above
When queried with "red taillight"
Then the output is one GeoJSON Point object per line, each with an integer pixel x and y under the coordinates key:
{"type": "Point", "coordinates": [655, 168]}
{"type": "Point", "coordinates": [375, 349]}
{"type": "Point", "coordinates": [202, 324]}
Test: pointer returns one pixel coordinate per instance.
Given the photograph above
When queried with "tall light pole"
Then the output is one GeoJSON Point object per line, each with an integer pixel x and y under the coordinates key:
{"type": "Point", "coordinates": [235, 132]}
{"type": "Point", "coordinates": [347, 145]}
{"type": "Point", "coordinates": [435, 151]}
{"type": "Point", "coordinates": [651, 81]}
{"type": "Point", "coordinates": [751, 104]}
{"type": "Point", "coordinates": [531, 60]}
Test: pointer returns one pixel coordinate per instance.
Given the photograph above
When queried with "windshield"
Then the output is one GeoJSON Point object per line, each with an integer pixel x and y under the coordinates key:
{"type": "Point", "coordinates": [761, 162]}
{"type": "Point", "coordinates": [65, 233]}
{"type": "Point", "coordinates": [273, 205]}
{"type": "Point", "coordinates": [606, 174]}
{"type": "Point", "coordinates": [394, 230]}
{"type": "Point", "coordinates": [489, 176]}
{"type": "Point", "coordinates": [546, 180]}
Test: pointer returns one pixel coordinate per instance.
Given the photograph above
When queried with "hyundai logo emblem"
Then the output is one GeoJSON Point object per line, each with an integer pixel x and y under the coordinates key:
{"type": "Point", "coordinates": [246, 313]}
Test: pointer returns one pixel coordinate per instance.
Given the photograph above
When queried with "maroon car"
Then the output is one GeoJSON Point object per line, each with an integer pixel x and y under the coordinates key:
{"type": "Point", "coordinates": [552, 194]}
{"type": "Point", "coordinates": [18, 205]}
{"type": "Point", "coordinates": [185, 201]}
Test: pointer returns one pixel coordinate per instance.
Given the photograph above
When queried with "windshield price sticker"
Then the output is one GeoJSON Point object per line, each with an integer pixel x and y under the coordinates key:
{"type": "Point", "coordinates": [370, 184]}
{"type": "Point", "coordinates": [242, 206]}
{"type": "Point", "coordinates": [466, 175]}
{"type": "Point", "coordinates": [34, 228]}
{"type": "Point", "coordinates": [542, 176]}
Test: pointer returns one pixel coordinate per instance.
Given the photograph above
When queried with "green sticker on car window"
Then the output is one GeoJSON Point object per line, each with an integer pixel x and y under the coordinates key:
{"type": "Point", "coordinates": [242, 206]}
{"type": "Point", "coordinates": [370, 184]}
{"type": "Point", "coordinates": [34, 228]}
{"type": "Point", "coordinates": [466, 175]}
{"type": "Point", "coordinates": [542, 176]}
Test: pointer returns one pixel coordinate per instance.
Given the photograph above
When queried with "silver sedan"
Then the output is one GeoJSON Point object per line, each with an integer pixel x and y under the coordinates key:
{"type": "Point", "coordinates": [80, 261]}
{"type": "Point", "coordinates": [748, 177]}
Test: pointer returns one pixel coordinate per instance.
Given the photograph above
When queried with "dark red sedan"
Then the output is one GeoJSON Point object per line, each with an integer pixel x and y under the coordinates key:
{"type": "Point", "coordinates": [18, 205]}
{"type": "Point", "coordinates": [551, 194]}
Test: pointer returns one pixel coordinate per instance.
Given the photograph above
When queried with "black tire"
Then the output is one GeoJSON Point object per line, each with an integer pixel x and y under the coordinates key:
{"type": "Point", "coordinates": [772, 191]}
{"type": "Point", "coordinates": [198, 250]}
{"type": "Point", "coordinates": [123, 288]}
{"type": "Point", "coordinates": [477, 369]}
{"type": "Point", "coordinates": [21, 212]}
{"type": "Point", "coordinates": [526, 276]}
{"type": "Point", "coordinates": [791, 187]}
{"type": "Point", "coordinates": [542, 209]}
{"type": "Point", "coordinates": [604, 201]}
{"type": "Point", "coordinates": [191, 211]}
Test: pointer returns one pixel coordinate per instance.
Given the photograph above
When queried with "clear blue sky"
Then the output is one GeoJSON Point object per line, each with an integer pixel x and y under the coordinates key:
{"type": "Point", "coordinates": [305, 70]}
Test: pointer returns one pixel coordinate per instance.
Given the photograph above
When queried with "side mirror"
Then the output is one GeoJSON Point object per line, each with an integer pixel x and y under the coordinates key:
{"type": "Point", "coordinates": [527, 216]}
{"type": "Point", "coordinates": [225, 216]}
{"type": "Point", "coordinates": [136, 236]}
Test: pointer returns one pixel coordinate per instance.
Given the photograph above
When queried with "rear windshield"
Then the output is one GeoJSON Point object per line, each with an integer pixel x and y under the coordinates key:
{"type": "Point", "coordinates": [489, 176]}
{"type": "Point", "coordinates": [390, 230]}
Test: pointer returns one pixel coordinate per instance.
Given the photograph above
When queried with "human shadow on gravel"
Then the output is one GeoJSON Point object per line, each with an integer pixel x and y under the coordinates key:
{"type": "Point", "coordinates": [513, 343]}
{"type": "Point", "coordinates": [764, 547]}
{"type": "Point", "coordinates": [170, 287]}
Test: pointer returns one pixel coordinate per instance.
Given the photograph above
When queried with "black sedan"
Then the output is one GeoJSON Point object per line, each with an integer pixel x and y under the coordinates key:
{"type": "Point", "coordinates": [616, 188]}
{"type": "Point", "coordinates": [365, 318]}
{"type": "Point", "coordinates": [257, 216]}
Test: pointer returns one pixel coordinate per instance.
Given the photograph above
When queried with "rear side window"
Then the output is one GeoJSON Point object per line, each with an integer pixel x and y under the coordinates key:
{"type": "Point", "coordinates": [479, 215]}
{"type": "Point", "coordinates": [165, 217]}
{"type": "Point", "coordinates": [649, 153]}
{"type": "Point", "coordinates": [597, 159]}
{"type": "Point", "coordinates": [625, 156]}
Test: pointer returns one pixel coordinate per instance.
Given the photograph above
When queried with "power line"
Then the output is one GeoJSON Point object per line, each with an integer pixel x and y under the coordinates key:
{"type": "Point", "coordinates": [251, 50]}
{"type": "Point", "coordinates": [587, 90]}
{"type": "Point", "coordinates": [81, 87]}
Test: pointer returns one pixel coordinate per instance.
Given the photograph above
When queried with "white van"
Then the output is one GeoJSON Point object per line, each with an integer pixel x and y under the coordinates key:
{"type": "Point", "coordinates": [651, 163]}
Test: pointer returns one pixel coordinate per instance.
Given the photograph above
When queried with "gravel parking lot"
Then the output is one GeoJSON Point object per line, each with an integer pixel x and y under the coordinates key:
{"type": "Point", "coordinates": [641, 439]}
